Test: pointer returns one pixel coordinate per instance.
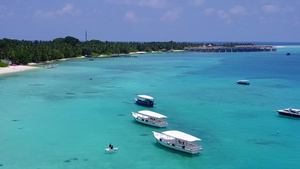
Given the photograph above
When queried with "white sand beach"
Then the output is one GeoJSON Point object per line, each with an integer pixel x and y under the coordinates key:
{"type": "Point", "coordinates": [14, 69]}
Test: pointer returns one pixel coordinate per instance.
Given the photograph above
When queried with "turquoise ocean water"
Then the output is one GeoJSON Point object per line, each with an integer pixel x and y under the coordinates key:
{"type": "Point", "coordinates": [64, 118]}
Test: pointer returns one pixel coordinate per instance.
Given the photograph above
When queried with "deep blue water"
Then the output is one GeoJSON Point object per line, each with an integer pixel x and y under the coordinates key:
{"type": "Point", "coordinates": [66, 117]}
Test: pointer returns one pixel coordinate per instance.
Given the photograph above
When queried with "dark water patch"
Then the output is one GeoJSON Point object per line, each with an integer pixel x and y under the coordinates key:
{"type": "Point", "coordinates": [279, 86]}
{"type": "Point", "coordinates": [69, 97]}
{"type": "Point", "coordinates": [15, 120]}
{"type": "Point", "coordinates": [263, 77]}
{"type": "Point", "coordinates": [126, 102]}
{"type": "Point", "coordinates": [36, 84]}
{"type": "Point", "coordinates": [121, 114]}
{"type": "Point", "coordinates": [244, 115]}
{"type": "Point", "coordinates": [71, 159]}
{"type": "Point", "coordinates": [111, 87]}
{"type": "Point", "coordinates": [70, 93]}
{"type": "Point", "coordinates": [192, 73]}
{"type": "Point", "coordinates": [144, 134]}
{"type": "Point", "coordinates": [261, 142]}
{"type": "Point", "coordinates": [1, 165]}
{"type": "Point", "coordinates": [181, 66]}
{"type": "Point", "coordinates": [90, 92]}
{"type": "Point", "coordinates": [85, 160]}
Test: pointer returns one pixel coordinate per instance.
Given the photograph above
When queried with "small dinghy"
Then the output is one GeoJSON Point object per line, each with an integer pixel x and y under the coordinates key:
{"type": "Point", "coordinates": [111, 149]}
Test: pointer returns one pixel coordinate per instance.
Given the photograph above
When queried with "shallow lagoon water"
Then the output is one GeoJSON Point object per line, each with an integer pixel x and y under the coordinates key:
{"type": "Point", "coordinates": [65, 117]}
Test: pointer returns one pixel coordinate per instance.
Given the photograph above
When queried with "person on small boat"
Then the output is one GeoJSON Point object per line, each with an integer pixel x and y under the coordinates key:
{"type": "Point", "coordinates": [111, 146]}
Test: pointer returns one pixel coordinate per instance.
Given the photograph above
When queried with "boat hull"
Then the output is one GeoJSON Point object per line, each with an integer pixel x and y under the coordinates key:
{"type": "Point", "coordinates": [144, 103]}
{"type": "Point", "coordinates": [111, 150]}
{"type": "Point", "coordinates": [288, 114]}
{"type": "Point", "coordinates": [244, 83]}
{"type": "Point", "coordinates": [178, 148]}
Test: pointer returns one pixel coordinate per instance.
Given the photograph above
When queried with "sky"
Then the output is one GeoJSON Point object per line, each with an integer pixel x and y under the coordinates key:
{"type": "Point", "coordinates": [152, 20]}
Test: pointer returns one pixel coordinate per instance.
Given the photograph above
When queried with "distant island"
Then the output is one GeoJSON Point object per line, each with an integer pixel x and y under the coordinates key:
{"type": "Point", "coordinates": [22, 52]}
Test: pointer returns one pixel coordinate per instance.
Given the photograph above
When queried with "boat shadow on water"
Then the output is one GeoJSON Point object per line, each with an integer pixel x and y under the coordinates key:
{"type": "Point", "coordinates": [172, 151]}
{"type": "Point", "coordinates": [288, 117]}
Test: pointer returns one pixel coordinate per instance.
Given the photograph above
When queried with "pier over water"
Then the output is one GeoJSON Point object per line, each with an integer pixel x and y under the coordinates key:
{"type": "Point", "coordinates": [236, 48]}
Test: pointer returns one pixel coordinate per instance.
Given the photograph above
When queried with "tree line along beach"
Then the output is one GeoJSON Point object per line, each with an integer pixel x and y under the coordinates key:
{"type": "Point", "coordinates": [22, 55]}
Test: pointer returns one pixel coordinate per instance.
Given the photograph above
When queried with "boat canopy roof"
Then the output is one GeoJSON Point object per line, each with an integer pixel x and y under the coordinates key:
{"type": "Point", "coordinates": [298, 110]}
{"type": "Point", "coordinates": [243, 80]}
{"type": "Point", "coordinates": [146, 97]}
{"type": "Point", "coordinates": [180, 135]}
{"type": "Point", "coordinates": [152, 114]}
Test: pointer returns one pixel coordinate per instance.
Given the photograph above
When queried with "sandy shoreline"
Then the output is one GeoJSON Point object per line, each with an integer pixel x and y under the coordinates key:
{"type": "Point", "coordinates": [30, 66]}
{"type": "Point", "coordinates": [15, 69]}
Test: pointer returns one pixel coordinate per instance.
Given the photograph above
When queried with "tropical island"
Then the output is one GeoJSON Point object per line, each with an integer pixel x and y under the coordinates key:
{"type": "Point", "coordinates": [22, 52]}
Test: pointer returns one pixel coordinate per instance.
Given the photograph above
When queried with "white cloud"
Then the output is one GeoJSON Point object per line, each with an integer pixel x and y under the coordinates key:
{"type": "Point", "coordinates": [209, 11]}
{"type": "Point", "coordinates": [170, 16]}
{"type": "Point", "coordinates": [6, 12]}
{"type": "Point", "coordinates": [238, 9]}
{"type": "Point", "coordinates": [68, 9]}
{"type": "Point", "coordinates": [120, 1]}
{"type": "Point", "coordinates": [225, 16]}
{"type": "Point", "coordinates": [130, 16]}
{"type": "Point", "coordinates": [152, 3]}
{"type": "Point", "coordinates": [142, 3]}
{"type": "Point", "coordinates": [270, 9]}
{"type": "Point", "coordinates": [199, 2]}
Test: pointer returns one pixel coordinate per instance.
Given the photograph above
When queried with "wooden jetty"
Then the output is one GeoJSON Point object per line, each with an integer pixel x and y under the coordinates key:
{"type": "Point", "coordinates": [237, 48]}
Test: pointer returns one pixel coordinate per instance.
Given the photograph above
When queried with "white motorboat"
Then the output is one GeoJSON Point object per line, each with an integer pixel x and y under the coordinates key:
{"type": "Point", "coordinates": [150, 118]}
{"type": "Point", "coordinates": [179, 141]}
{"type": "Point", "coordinates": [145, 100]}
{"type": "Point", "coordinates": [289, 112]}
{"type": "Point", "coordinates": [244, 82]}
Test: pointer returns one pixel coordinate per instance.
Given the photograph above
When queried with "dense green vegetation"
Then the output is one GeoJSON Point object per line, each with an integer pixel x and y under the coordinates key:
{"type": "Point", "coordinates": [24, 52]}
{"type": "Point", "coordinates": [3, 64]}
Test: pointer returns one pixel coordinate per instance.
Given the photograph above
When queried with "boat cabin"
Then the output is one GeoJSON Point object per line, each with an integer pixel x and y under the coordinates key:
{"type": "Point", "coordinates": [150, 118]}
{"type": "Point", "coordinates": [145, 100]}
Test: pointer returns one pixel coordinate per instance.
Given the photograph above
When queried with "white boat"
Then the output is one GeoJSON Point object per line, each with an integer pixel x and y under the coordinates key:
{"type": "Point", "coordinates": [245, 82]}
{"type": "Point", "coordinates": [111, 149]}
{"type": "Point", "coordinates": [179, 141]}
{"type": "Point", "coordinates": [150, 118]}
{"type": "Point", "coordinates": [289, 112]}
{"type": "Point", "coordinates": [144, 100]}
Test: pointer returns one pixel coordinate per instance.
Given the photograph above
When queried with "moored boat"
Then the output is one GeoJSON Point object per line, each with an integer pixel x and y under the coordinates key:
{"type": "Point", "coordinates": [145, 100]}
{"type": "Point", "coordinates": [179, 141]}
{"type": "Point", "coordinates": [111, 149]}
{"type": "Point", "coordinates": [289, 112]}
{"type": "Point", "coordinates": [150, 118]}
{"type": "Point", "coordinates": [245, 82]}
